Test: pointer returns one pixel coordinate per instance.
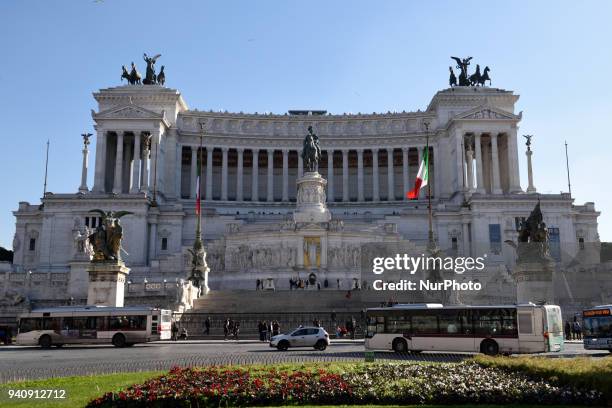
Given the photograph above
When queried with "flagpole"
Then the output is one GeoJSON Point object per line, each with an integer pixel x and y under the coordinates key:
{"type": "Point", "coordinates": [46, 168]}
{"type": "Point", "coordinates": [569, 185]}
{"type": "Point", "coordinates": [430, 231]}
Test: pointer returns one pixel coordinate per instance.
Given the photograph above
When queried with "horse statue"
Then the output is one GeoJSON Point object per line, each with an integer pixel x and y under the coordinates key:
{"type": "Point", "coordinates": [311, 153]}
{"type": "Point", "coordinates": [475, 77]}
{"type": "Point", "coordinates": [106, 239]}
{"type": "Point", "coordinates": [452, 80]}
{"type": "Point", "coordinates": [484, 77]}
{"type": "Point", "coordinates": [134, 75]}
{"type": "Point", "coordinates": [161, 77]}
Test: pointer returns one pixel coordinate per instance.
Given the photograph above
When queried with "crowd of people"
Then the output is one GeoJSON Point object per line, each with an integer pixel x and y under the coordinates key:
{"type": "Point", "coordinates": [231, 328]}
{"type": "Point", "coordinates": [573, 331]}
{"type": "Point", "coordinates": [267, 330]}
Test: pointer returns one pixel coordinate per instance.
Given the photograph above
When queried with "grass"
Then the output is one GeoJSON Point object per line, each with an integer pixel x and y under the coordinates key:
{"type": "Point", "coordinates": [79, 390]}
{"type": "Point", "coordinates": [581, 372]}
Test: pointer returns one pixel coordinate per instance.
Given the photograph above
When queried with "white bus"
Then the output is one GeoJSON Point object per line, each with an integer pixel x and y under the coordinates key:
{"type": "Point", "coordinates": [120, 326]}
{"type": "Point", "coordinates": [598, 328]}
{"type": "Point", "coordinates": [526, 328]}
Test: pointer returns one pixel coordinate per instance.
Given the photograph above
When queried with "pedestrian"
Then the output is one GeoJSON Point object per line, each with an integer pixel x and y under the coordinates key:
{"type": "Point", "coordinates": [577, 329]}
{"type": "Point", "coordinates": [175, 331]}
{"type": "Point", "coordinates": [236, 330]}
{"type": "Point", "coordinates": [568, 330]}
{"type": "Point", "coordinates": [262, 331]}
{"type": "Point", "coordinates": [325, 283]}
{"type": "Point", "coordinates": [318, 285]}
{"type": "Point", "coordinates": [275, 328]}
{"type": "Point", "coordinates": [207, 326]}
{"type": "Point", "coordinates": [226, 328]}
{"type": "Point", "coordinates": [258, 284]}
{"type": "Point", "coordinates": [338, 283]}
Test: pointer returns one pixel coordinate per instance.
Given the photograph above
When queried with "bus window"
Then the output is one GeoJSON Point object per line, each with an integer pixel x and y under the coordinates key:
{"type": "Point", "coordinates": [128, 322]}
{"type": "Point", "coordinates": [51, 323]}
{"type": "Point", "coordinates": [30, 324]}
{"type": "Point", "coordinates": [398, 324]}
{"type": "Point", "coordinates": [487, 322]}
{"type": "Point", "coordinates": [424, 323]}
{"type": "Point", "coordinates": [449, 322]}
{"type": "Point", "coordinates": [376, 324]}
{"type": "Point", "coordinates": [509, 322]}
{"type": "Point", "coordinates": [553, 320]}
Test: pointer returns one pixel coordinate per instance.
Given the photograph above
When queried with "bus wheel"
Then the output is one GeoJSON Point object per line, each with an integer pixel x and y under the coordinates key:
{"type": "Point", "coordinates": [400, 346]}
{"type": "Point", "coordinates": [119, 340]}
{"type": "Point", "coordinates": [45, 341]}
{"type": "Point", "coordinates": [59, 345]}
{"type": "Point", "coordinates": [489, 347]}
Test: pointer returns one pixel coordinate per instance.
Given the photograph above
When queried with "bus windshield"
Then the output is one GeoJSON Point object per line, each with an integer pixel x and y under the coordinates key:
{"type": "Point", "coordinates": [553, 320]}
{"type": "Point", "coordinates": [599, 326]}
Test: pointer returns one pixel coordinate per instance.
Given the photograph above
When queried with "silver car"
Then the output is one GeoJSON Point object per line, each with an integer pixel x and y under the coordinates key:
{"type": "Point", "coordinates": [315, 337]}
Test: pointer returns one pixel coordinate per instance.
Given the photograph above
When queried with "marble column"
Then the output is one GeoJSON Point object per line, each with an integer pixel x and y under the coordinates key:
{"type": "Point", "coordinates": [495, 162]}
{"type": "Point", "coordinates": [255, 176]}
{"type": "Point", "coordinates": [240, 175]}
{"type": "Point", "coordinates": [405, 165]}
{"type": "Point", "coordinates": [194, 172]}
{"type": "Point", "coordinates": [330, 176]}
{"type": "Point", "coordinates": [136, 169]}
{"type": "Point", "coordinates": [479, 177]}
{"type": "Point", "coordinates": [285, 175]}
{"type": "Point", "coordinates": [100, 170]}
{"type": "Point", "coordinates": [155, 174]}
{"type": "Point", "coordinates": [324, 252]}
{"type": "Point", "coordinates": [270, 195]}
{"type": "Point", "coordinates": [83, 187]}
{"type": "Point", "coordinates": [469, 162]}
{"type": "Point", "coordinates": [127, 167]}
{"type": "Point", "coordinates": [117, 185]}
{"type": "Point", "coordinates": [530, 188]}
{"type": "Point", "coordinates": [209, 175]}
{"type": "Point", "coordinates": [375, 181]}
{"type": "Point", "coordinates": [360, 185]}
{"type": "Point", "coordinates": [390, 178]}
{"type": "Point", "coordinates": [345, 176]}
{"type": "Point", "coordinates": [144, 186]}
{"type": "Point", "coordinates": [224, 151]}
{"type": "Point", "coordinates": [512, 150]}
{"type": "Point", "coordinates": [300, 252]}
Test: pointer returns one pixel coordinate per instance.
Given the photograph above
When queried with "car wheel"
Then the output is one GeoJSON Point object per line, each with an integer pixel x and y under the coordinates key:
{"type": "Point", "coordinates": [489, 347]}
{"type": "Point", "coordinates": [283, 345]}
{"type": "Point", "coordinates": [45, 341]}
{"type": "Point", "coordinates": [321, 345]}
{"type": "Point", "coordinates": [119, 340]}
{"type": "Point", "coordinates": [400, 346]}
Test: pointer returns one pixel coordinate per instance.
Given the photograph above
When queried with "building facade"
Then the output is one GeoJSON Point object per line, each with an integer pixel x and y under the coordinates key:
{"type": "Point", "coordinates": [150, 149]}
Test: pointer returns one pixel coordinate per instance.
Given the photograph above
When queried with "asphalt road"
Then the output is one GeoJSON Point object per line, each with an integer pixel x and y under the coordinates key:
{"type": "Point", "coordinates": [17, 362]}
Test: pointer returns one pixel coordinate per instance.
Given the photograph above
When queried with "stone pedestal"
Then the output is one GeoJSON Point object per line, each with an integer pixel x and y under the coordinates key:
{"type": "Point", "coordinates": [79, 279]}
{"type": "Point", "coordinates": [311, 199]}
{"type": "Point", "coordinates": [534, 281]}
{"type": "Point", "coordinates": [107, 283]}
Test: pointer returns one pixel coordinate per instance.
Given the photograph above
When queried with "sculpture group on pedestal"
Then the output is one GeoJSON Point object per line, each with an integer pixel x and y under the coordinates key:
{"type": "Point", "coordinates": [151, 78]}
{"type": "Point", "coordinates": [476, 79]}
{"type": "Point", "coordinates": [105, 241]}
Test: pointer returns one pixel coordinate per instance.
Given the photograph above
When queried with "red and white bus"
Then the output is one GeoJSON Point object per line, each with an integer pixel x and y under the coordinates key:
{"type": "Point", "coordinates": [506, 329]}
{"type": "Point", "coordinates": [120, 326]}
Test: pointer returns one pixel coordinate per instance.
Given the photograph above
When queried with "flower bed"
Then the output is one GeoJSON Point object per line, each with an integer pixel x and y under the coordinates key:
{"type": "Point", "coordinates": [465, 383]}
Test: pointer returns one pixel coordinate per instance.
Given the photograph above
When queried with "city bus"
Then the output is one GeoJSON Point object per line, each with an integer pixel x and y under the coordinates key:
{"type": "Point", "coordinates": [598, 328]}
{"type": "Point", "coordinates": [506, 329]}
{"type": "Point", "coordinates": [120, 326]}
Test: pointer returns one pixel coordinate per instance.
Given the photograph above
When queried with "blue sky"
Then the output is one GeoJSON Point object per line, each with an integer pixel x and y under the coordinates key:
{"type": "Point", "coordinates": [343, 56]}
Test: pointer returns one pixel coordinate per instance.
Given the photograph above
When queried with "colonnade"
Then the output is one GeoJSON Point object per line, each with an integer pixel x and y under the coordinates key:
{"type": "Point", "coordinates": [352, 174]}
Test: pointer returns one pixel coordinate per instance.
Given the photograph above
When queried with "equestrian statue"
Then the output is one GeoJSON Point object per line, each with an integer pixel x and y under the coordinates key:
{"type": "Point", "coordinates": [311, 153]}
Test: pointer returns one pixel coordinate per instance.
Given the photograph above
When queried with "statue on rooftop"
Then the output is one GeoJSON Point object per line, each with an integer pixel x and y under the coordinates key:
{"type": "Point", "coordinates": [150, 77]}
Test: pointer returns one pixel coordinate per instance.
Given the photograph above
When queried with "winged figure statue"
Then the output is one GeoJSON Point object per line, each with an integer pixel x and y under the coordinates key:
{"type": "Point", "coordinates": [107, 237]}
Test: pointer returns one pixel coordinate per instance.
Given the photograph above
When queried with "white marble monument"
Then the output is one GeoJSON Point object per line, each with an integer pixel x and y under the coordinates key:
{"type": "Point", "coordinates": [107, 283]}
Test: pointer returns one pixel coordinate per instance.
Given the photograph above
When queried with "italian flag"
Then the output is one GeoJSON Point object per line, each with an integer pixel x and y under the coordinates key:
{"type": "Point", "coordinates": [198, 195]}
{"type": "Point", "coordinates": [422, 177]}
